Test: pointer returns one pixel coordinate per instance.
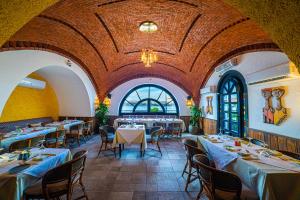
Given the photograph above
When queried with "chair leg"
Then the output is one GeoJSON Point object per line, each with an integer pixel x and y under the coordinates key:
{"type": "Point", "coordinates": [83, 190]}
{"type": "Point", "coordinates": [158, 148]}
{"type": "Point", "coordinates": [78, 141]}
{"type": "Point", "coordinates": [100, 148]}
{"type": "Point", "coordinates": [105, 146]}
{"type": "Point", "coordinates": [189, 177]}
{"type": "Point", "coordinates": [184, 170]}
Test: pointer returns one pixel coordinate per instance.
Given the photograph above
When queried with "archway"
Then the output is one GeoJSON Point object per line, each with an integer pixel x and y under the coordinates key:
{"type": "Point", "coordinates": [53, 67]}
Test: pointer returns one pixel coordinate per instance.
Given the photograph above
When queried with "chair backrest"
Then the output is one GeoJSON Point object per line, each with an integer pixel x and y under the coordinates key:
{"type": "Point", "coordinates": [19, 145]}
{"type": "Point", "coordinates": [67, 173]}
{"type": "Point", "coordinates": [217, 179]}
{"type": "Point", "coordinates": [154, 128]}
{"type": "Point", "coordinates": [191, 148]}
{"type": "Point", "coordinates": [175, 125]}
{"type": "Point", "coordinates": [258, 142]}
{"type": "Point", "coordinates": [103, 133]}
{"type": "Point", "coordinates": [36, 141]}
{"type": "Point", "coordinates": [108, 129]}
{"type": "Point", "coordinates": [161, 124]}
{"type": "Point", "coordinates": [291, 154]}
{"type": "Point", "coordinates": [155, 135]}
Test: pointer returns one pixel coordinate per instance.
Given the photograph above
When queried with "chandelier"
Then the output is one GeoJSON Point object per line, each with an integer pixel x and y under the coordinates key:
{"type": "Point", "coordinates": [148, 57]}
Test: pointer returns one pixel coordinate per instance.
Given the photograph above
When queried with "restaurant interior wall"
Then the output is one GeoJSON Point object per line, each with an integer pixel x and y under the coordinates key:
{"type": "Point", "coordinates": [28, 103]}
{"type": "Point", "coordinates": [256, 61]}
{"type": "Point", "coordinates": [74, 90]}
{"type": "Point", "coordinates": [119, 93]}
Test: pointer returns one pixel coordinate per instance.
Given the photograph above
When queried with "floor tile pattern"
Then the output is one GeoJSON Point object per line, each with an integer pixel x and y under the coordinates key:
{"type": "Point", "coordinates": [132, 177]}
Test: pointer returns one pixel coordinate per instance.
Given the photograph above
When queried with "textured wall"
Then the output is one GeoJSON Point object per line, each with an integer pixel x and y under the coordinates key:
{"type": "Point", "coordinates": [279, 18]}
{"type": "Point", "coordinates": [27, 103]}
{"type": "Point", "coordinates": [16, 13]}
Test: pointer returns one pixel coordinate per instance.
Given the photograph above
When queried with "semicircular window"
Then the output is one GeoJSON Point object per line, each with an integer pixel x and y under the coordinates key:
{"type": "Point", "coordinates": [149, 100]}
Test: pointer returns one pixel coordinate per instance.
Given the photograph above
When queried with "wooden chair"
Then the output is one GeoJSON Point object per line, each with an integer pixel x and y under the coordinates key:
{"type": "Point", "coordinates": [76, 132]}
{"type": "Point", "coordinates": [106, 138]}
{"type": "Point", "coordinates": [56, 139]}
{"type": "Point", "coordinates": [174, 129]}
{"type": "Point", "coordinates": [163, 125]}
{"type": "Point", "coordinates": [88, 128]}
{"type": "Point", "coordinates": [19, 145]}
{"type": "Point", "coordinates": [258, 142]}
{"type": "Point", "coordinates": [213, 179]}
{"type": "Point", "coordinates": [60, 180]}
{"type": "Point", "coordinates": [154, 137]}
{"type": "Point", "coordinates": [191, 149]}
{"type": "Point", "coordinates": [290, 154]}
{"type": "Point", "coordinates": [36, 141]}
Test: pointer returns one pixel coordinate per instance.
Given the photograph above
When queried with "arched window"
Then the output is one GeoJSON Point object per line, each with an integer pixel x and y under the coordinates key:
{"type": "Point", "coordinates": [148, 99]}
{"type": "Point", "coordinates": [232, 102]}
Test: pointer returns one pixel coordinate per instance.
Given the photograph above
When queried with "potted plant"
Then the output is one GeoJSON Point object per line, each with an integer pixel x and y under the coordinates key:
{"type": "Point", "coordinates": [196, 114]}
{"type": "Point", "coordinates": [101, 116]}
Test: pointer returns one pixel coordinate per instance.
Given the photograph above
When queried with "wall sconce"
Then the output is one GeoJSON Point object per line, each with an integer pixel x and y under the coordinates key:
{"type": "Point", "coordinates": [96, 102]}
{"type": "Point", "coordinates": [107, 100]}
{"type": "Point", "coordinates": [189, 101]}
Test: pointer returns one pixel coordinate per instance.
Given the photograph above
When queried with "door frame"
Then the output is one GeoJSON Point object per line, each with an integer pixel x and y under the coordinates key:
{"type": "Point", "coordinates": [242, 100]}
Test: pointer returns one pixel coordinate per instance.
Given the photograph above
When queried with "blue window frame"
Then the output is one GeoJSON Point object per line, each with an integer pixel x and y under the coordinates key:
{"type": "Point", "coordinates": [148, 99]}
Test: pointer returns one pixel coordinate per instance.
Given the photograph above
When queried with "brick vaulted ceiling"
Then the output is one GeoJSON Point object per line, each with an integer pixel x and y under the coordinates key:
{"type": "Point", "coordinates": [102, 36]}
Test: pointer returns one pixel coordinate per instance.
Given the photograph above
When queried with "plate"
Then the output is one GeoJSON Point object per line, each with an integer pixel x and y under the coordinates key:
{"type": "Point", "coordinates": [250, 157]}
{"type": "Point", "coordinates": [274, 153]}
{"type": "Point", "coordinates": [244, 154]}
{"type": "Point", "coordinates": [231, 148]}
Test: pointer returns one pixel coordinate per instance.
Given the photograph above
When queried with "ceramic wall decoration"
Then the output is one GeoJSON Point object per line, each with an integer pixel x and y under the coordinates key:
{"type": "Point", "coordinates": [209, 107]}
{"type": "Point", "coordinates": [273, 111]}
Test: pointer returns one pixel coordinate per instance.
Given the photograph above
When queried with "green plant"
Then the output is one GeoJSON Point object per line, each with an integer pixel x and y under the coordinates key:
{"type": "Point", "coordinates": [196, 113]}
{"type": "Point", "coordinates": [101, 114]}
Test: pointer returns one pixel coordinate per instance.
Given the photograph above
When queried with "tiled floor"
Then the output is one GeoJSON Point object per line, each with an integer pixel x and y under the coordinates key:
{"type": "Point", "coordinates": [134, 178]}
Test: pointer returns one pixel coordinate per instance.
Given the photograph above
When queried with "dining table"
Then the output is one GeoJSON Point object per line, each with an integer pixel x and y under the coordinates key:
{"type": "Point", "coordinates": [16, 175]}
{"type": "Point", "coordinates": [130, 134]}
{"type": "Point", "coordinates": [26, 133]}
{"type": "Point", "coordinates": [272, 175]}
{"type": "Point", "coordinates": [150, 122]}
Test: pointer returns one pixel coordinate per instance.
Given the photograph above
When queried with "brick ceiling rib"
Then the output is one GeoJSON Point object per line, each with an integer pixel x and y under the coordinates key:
{"type": "Point", "coordinates": [192, 37]}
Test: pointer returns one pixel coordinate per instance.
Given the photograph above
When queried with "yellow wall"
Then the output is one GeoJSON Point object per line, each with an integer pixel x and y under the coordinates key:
{"type": "Point", "coordinates": [27, 103]}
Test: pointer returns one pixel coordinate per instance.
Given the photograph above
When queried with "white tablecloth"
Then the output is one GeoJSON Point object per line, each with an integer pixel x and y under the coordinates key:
{"type": "Point", "coordinates": [13, 185]}
{"type": "Point", "coordinates": [265, 175]}
{"type": "Point", "coordinates": [128, 134]}
{"type": "Point", "coordinates": [150, 121]}
{"type": "Point", "coordinates": [34, 132]}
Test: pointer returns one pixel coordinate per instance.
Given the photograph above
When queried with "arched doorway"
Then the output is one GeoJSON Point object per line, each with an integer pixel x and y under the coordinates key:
{"type": "Point", "coordinates": [232, 104]}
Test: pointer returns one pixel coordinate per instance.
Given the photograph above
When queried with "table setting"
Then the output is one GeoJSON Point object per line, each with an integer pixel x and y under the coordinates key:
{"type": "Point", "coordinates": [130, 134]}
{"type": "Point", "coordinates": [20, 169]}
{"type": "Point", "coordinates": [260, 168]}
{"type": "Point", "coordinates": [26, 133]}
{"type": "Point", "coordinates": [150, 121]}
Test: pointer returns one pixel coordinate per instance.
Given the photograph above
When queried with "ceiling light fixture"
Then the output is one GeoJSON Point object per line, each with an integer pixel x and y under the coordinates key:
{"type": "Point", "coordinates": [148, 55]}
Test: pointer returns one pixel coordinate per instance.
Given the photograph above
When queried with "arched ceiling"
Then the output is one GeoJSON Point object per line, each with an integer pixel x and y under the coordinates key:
{"type": "Point", "coordinates": [193, 37]}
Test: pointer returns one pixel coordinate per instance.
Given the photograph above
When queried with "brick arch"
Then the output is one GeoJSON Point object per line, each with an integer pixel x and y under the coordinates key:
{"type": "Point", "coordinates": [193, 49]}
